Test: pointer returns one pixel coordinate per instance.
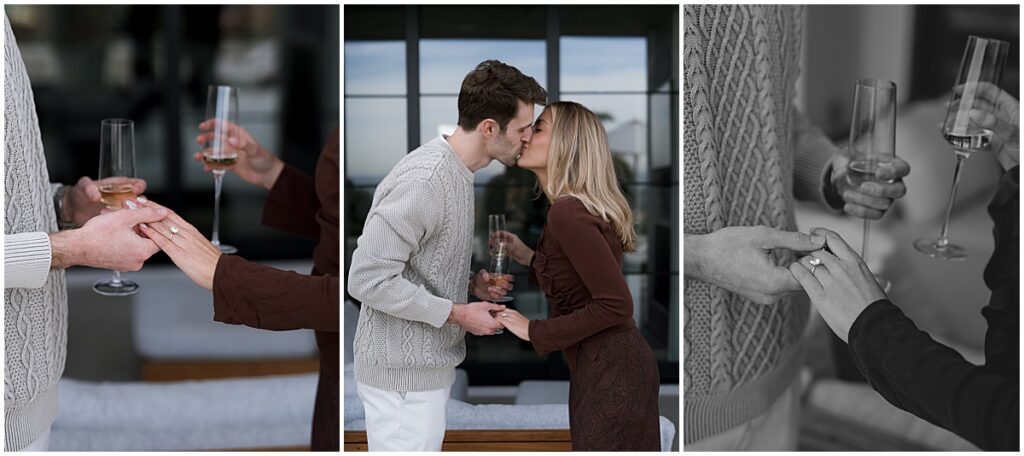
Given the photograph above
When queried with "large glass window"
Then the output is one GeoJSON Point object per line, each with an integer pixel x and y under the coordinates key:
{"type": "Point", "coordinates": [623, 70]}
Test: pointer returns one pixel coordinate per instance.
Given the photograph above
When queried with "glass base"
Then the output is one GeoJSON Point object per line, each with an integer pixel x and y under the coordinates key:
{"type": "Point", "coordinates": [108, 287]}
{"type": "Point", "coordinates": [933, 249]}
{"type": "Point", "coordinates": [228, 249]}
{"type": "Point", "coordinates": [505, 298]}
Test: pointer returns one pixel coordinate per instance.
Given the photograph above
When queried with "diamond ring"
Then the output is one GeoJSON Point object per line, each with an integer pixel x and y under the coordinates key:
{"type": "Point", "coordinates": [814, 262]}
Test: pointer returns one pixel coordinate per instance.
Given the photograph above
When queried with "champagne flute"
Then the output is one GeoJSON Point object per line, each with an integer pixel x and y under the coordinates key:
{"type": "Point", "coordinates": [872, 141]}
{"type": "Point", "coordinates": [116, 176]}
{"type": "Point", "coordinates": [982, 64]}
{"type": "Point", "coordinates": [222, 109]}
{"type": "Point", "coordinates": [496, 245]}
{"type": "Point", "coordinates": [499, 272]}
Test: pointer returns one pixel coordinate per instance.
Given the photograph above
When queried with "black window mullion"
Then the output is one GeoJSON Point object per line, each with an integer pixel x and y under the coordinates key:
{"type": "Point", "coordinates": [412, 77]}
{"type": "Point", "coordinates": [172, 108]}
{"type": "Point", "coordinates": [553, 59]}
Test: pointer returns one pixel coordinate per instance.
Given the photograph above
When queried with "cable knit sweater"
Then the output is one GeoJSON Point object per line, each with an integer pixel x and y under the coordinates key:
{"type": "Point", "coordinates": [35, 298]}
{"type": "Point", "coordinates": [411, 263]}
{"type": "Point", "coordinates": [746, 151]}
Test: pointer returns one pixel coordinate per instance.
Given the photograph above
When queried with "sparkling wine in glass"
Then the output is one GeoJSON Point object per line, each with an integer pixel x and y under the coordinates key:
{"type": "Point", "coordinates": [222, 110]}
{"type": "Point", "coordinates": [872, 142]}
{"type": "Point", "coordinates": [499, 272]}
{"type": "Point", "coordinates": [497, 232]}
{"type": "Point", "coordinates": [980, 68]}
{"type": "Point", "coordinates": [115, 179]}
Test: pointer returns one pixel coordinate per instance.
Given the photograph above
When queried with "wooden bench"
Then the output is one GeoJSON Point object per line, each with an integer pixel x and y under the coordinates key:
{"type": "Point", "coordinates": [487, 440]}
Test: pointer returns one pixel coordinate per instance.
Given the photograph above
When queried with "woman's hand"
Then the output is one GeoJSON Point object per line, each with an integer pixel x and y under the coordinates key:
{"type": "Point", "coordinates": [515, 322]}
{"type": "Point", "coordinates": [186, 246]}
{"type": "Point", "coordinates": [517, 250]}
{"type": "Point", "coordinates": [256, 165]}
{"type": "Point", "coordinates": [997, 111]}
{"type": "Point", "coordinates": [840, 286]}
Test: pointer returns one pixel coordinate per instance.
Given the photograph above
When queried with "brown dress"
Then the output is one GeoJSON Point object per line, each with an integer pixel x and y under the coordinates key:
{"type": "Point", "coordinates": [259, 296]}
{"type": "Point", "coordinates": [613, 388]}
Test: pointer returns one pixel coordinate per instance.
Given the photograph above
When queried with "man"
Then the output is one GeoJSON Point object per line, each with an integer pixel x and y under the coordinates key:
{"type": "Point", "coordinates": [35, 254]}
{"type": "Point", "coordinates": [747, 153]}
{"type": "Point", "coordinates": [410, 266]}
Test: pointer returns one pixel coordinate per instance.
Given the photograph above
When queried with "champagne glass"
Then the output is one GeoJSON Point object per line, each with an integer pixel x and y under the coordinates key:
{"type": "Point", "coordinates": [499, 272]}
{"type": "Point", "coordinates": [222, 109]}
{"type": "Point", "coordinates": [982, 64]}
{"type": "Point", "coordinates": [872, 141]}
{"type": "Point", "coordinates": [497, 240]}
{"type": "Point", "coordinates": [116, 176]}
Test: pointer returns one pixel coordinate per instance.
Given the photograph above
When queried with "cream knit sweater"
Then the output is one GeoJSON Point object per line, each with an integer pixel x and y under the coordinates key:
{"type": "Point", "coordinates": [411, 263]}
{"type": "Point", "coordinates": [35, 298]}
{"type": "Point", "coordinates": [746, 150]}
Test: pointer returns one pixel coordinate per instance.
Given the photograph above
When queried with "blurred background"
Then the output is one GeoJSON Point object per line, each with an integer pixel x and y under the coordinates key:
{"type": "Point", "coordinates": [404, 66]}
{"type": "Point", "coordinates": [919, 47]}
{"type": "Point", "coordinates": [153, 64]}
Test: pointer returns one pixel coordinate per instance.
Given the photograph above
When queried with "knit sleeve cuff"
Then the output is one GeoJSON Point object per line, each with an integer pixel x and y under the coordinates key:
{"type": "Point", "coordinates": [27, 258]}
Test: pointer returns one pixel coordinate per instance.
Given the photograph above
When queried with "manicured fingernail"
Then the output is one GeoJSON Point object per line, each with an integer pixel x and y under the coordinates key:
{"type": "Point", "coordinates": [131, 204]}
{"type": "Point", "coordinates": [142, 198]}
{"type": "Point", "coordinates": [161, 211]}
{"type": "Point", "coordinates": [233, 141]}
{"type": "Point", "coordinates": [144, 225]}
{"type": "Point", "coordinates": [817, 239]}
{"type": "Point", "coordinates": [977, 115]}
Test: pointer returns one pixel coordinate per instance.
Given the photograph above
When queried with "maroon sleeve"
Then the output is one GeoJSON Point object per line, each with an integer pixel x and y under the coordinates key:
{"type": "Point", "coordinates": [292, 204]}
{"type": "Point", "coordinates": [579, 236]}
{"type": "Point", "coordinates": [259, 296]}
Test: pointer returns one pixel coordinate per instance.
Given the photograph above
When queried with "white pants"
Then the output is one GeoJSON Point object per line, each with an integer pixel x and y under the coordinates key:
{"type": "Point", "coordinates": [41, 443]}
{"type": "Point", "coordinates": [404, 421]}
{"type": "Point", "coordinates": [776, 430]}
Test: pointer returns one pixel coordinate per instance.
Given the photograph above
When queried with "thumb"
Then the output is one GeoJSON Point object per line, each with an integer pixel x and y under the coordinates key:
{"type": "Point", "coordinates": [793, 240]}
{"type": "Point", "coordinates": [495, 307]}
{"type": "Point", "coordinates": [484, 275]}
{"type": "Point", "coordinates": [144, 215]}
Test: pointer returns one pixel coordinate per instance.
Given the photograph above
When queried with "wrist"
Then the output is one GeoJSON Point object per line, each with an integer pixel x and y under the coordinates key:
{"type": "Point", "coordinates": [693, 246]}
{"type": "Point", "coordinates": [270, 178]}
{"type": "Point", "coordinates": [830, 190]}
{"type": "Point", "coordinates": [65, 250]}
{"type": "Point", "coordinates": [456, 315]}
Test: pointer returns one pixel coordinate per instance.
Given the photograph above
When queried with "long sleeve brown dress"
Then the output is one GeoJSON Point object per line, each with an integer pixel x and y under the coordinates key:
{"type": "Point", "coordinates": [613, 388]}
{"type": "Point", "coordinates": [259, 296]}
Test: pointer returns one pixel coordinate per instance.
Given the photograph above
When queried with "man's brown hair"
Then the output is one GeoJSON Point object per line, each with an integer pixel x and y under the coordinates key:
{"type": "Point", "coordinates": [493, 91]}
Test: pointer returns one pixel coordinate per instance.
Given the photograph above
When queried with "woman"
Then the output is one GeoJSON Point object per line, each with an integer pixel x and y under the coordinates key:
{"type": "Point", "coordinates": [613, 395]}
{"type": "Point", "coordinates": [904, 364]}
{"type": "Point", "coordinates": [259, 296]}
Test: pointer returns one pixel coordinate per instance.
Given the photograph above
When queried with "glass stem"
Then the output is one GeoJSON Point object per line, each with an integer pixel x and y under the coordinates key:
{"type": "Point", "coordinates": [864, 241]}
{"type": "Point", "coordinates": [218, 178]}
{"type": "Point", "coordinates": [944, 235]}
{"type": "Point", "coordinates": [116, 280]}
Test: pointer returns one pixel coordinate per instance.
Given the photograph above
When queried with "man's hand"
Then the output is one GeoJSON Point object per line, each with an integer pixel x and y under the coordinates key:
{"type": "Point", "coordinates": [476, 317]}
{"type": "Point", "coordinates": [256, 165]}
{"type": "Point", "coordinates": [82, 201]}
{"type": "Point", "coordinates": [871, 199]}
{"type": "Point", "coordinates": [107, 241]}
{"type": "Point", "coordinates": [481, 286]}
{"type": "Point", "coordinates": [738, 258]}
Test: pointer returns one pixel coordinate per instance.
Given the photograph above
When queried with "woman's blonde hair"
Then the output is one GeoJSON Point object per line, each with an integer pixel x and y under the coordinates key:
{"type": "Point", "coordinates": [580, 165]}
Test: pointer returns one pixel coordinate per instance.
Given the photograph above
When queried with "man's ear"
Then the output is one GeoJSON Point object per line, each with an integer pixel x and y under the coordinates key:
{"type": "Point", "coordinates": [488, 128]}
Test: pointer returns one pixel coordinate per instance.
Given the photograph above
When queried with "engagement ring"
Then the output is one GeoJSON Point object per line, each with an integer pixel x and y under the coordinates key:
{"type": "Point", "coordinates": [174, 230]}
{"type": "Point", "coordinates": [814, 264]}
